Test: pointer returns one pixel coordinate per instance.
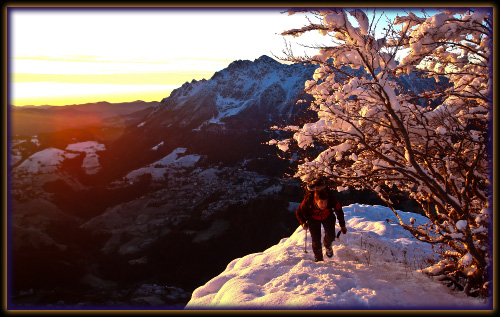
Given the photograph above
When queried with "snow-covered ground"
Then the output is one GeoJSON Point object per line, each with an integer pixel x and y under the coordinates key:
{"type": "Point", "coordinates": [160, 167]}
{"type": "Point", "coordinates": [376, 265]}
{"type": "Point", "coordinates": [90, 163]}
{"type": "Point", "coordinates": [46, 161]}
{"type": "Point", "coordinates": [49, 160]}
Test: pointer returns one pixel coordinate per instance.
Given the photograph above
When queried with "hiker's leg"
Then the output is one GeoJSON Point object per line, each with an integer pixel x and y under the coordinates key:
{"type": "Point", "coordinates": [315, 229]}
{"type": "Point", "coordinates": [329, 225]}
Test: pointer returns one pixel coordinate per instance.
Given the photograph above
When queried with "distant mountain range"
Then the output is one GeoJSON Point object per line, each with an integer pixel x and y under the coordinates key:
{"type": "Point", "coordinates": [30, 120]}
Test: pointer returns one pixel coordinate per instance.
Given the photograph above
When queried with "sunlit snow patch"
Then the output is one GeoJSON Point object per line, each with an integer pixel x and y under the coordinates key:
{"type": "Point", "coordinates": [373, 267]}
{"type": "Point", "coordinates": [160, 167]}
{"type": "Point", "coordinates": [90, 163]}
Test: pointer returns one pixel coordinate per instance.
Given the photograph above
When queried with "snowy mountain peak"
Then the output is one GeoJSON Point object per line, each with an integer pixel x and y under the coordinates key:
{"type": "Point", "coordinates": [266, 59]}
{"type": "Point", "coordinates": [262, 61]}
{"type": "Point", "coordinates": [186, 88]}
{"type": "Point", "coordinates": [261, 87]}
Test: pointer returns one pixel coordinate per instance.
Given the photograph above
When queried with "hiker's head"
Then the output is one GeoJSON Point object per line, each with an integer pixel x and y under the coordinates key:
{"type": "Point", "coordinates": [321, 198]}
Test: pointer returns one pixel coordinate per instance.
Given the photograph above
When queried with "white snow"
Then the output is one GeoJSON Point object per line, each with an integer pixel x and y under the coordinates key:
{"type": "Point", "coordinates": [188, 160]}
{"type": "Point", "coordinates": [271, 190]}
{"type": "Point", "coordinates": [45, 161]}
{"type": "Point", "coordinates": [467, 259]}
{"type": "Point", "coordinates": [461, 224]}
{"type": "Point", "coordinates": [376, 265]}
{"type": "Point", "coordinates": [208, 174]}
{"type": "Point", "coordinates": [35, 140]}
{"type": "Point", "coordinates": [157, 146]}
{"type": "Point", "coordinates": [49, 160]}
{"type": "Point", "coordinates": [228, 107]}
{"type": "Point", "coordinates": [441, 130]}
{"type": "Point", "coordinates": [90, 163]}
{"type": "Point", "coordinates": [160, 167]}
{"type": "Point", "coordinates": [15, 157]}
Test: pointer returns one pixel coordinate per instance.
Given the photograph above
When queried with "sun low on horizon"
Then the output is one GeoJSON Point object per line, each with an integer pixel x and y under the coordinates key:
{"type": "Point", "coordinates": [64, 56]}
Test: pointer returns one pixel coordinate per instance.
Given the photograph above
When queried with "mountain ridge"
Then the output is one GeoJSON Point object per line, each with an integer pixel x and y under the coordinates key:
{"type": "Point", "coordinates": [239, 82]}
{"type": "Point", "coordinates": [229, 113]}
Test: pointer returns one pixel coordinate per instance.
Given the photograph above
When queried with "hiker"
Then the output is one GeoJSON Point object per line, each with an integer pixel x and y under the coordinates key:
{"type": "Point", "coordinates": [320, 207]}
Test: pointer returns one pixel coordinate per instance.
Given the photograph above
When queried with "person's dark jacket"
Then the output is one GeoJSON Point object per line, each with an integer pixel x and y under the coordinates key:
{"type": "Point", "coordinates": [306, 208]}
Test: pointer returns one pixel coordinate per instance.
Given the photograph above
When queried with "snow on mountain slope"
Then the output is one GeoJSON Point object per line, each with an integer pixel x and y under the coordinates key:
{"type": "Point", "coordinates": [264, 84]}
{"type": "Point", "coordinates": [45, 161]}
{"type": "Point", "coordinates": [160, 167]}
{"type": "Point", "coordinates": [49, 160]}
{"type": "Point", "coordinates": [377, 265]}
{"type": "Point", "coordinates": [90, 163]}
{"type": "Point", "coordinates": [48, 165]}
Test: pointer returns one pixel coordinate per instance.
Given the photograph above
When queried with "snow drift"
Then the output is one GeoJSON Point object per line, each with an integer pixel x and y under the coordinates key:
{"type": "Point", "coordinates": [376, 265]}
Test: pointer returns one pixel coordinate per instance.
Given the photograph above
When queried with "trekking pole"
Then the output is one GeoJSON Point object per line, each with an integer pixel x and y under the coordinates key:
{"type": "Point", "coordinates": [305, 243]}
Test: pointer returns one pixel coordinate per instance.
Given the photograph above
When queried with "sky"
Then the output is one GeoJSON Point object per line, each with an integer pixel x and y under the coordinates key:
{"type": "Point", "coordinates": [61, 56]}
{"type": "Point", "coordinates": [376, 265]}
{"type": "Point", "coordinates": [66, 56]}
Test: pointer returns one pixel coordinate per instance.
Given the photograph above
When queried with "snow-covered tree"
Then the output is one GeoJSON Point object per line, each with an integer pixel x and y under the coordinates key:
{"type": "Point", "coordinates": [433, 146]}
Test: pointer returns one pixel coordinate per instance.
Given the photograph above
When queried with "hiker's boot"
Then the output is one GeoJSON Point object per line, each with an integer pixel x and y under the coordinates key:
{"type": "Point", "coordinates": [318, 255]}
{"type": "Point", "coordinates": [329, 251]}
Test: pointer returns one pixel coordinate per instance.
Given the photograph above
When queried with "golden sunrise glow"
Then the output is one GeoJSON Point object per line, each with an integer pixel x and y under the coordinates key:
{"type": "Point", "coordinates": [73, 81]}
{"type": "Point", "coordinates": [60, 94]}
{"type": "Point", "coordinates": [58, 83]}
{"type": "Point", "coordinates": [71, 56]}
